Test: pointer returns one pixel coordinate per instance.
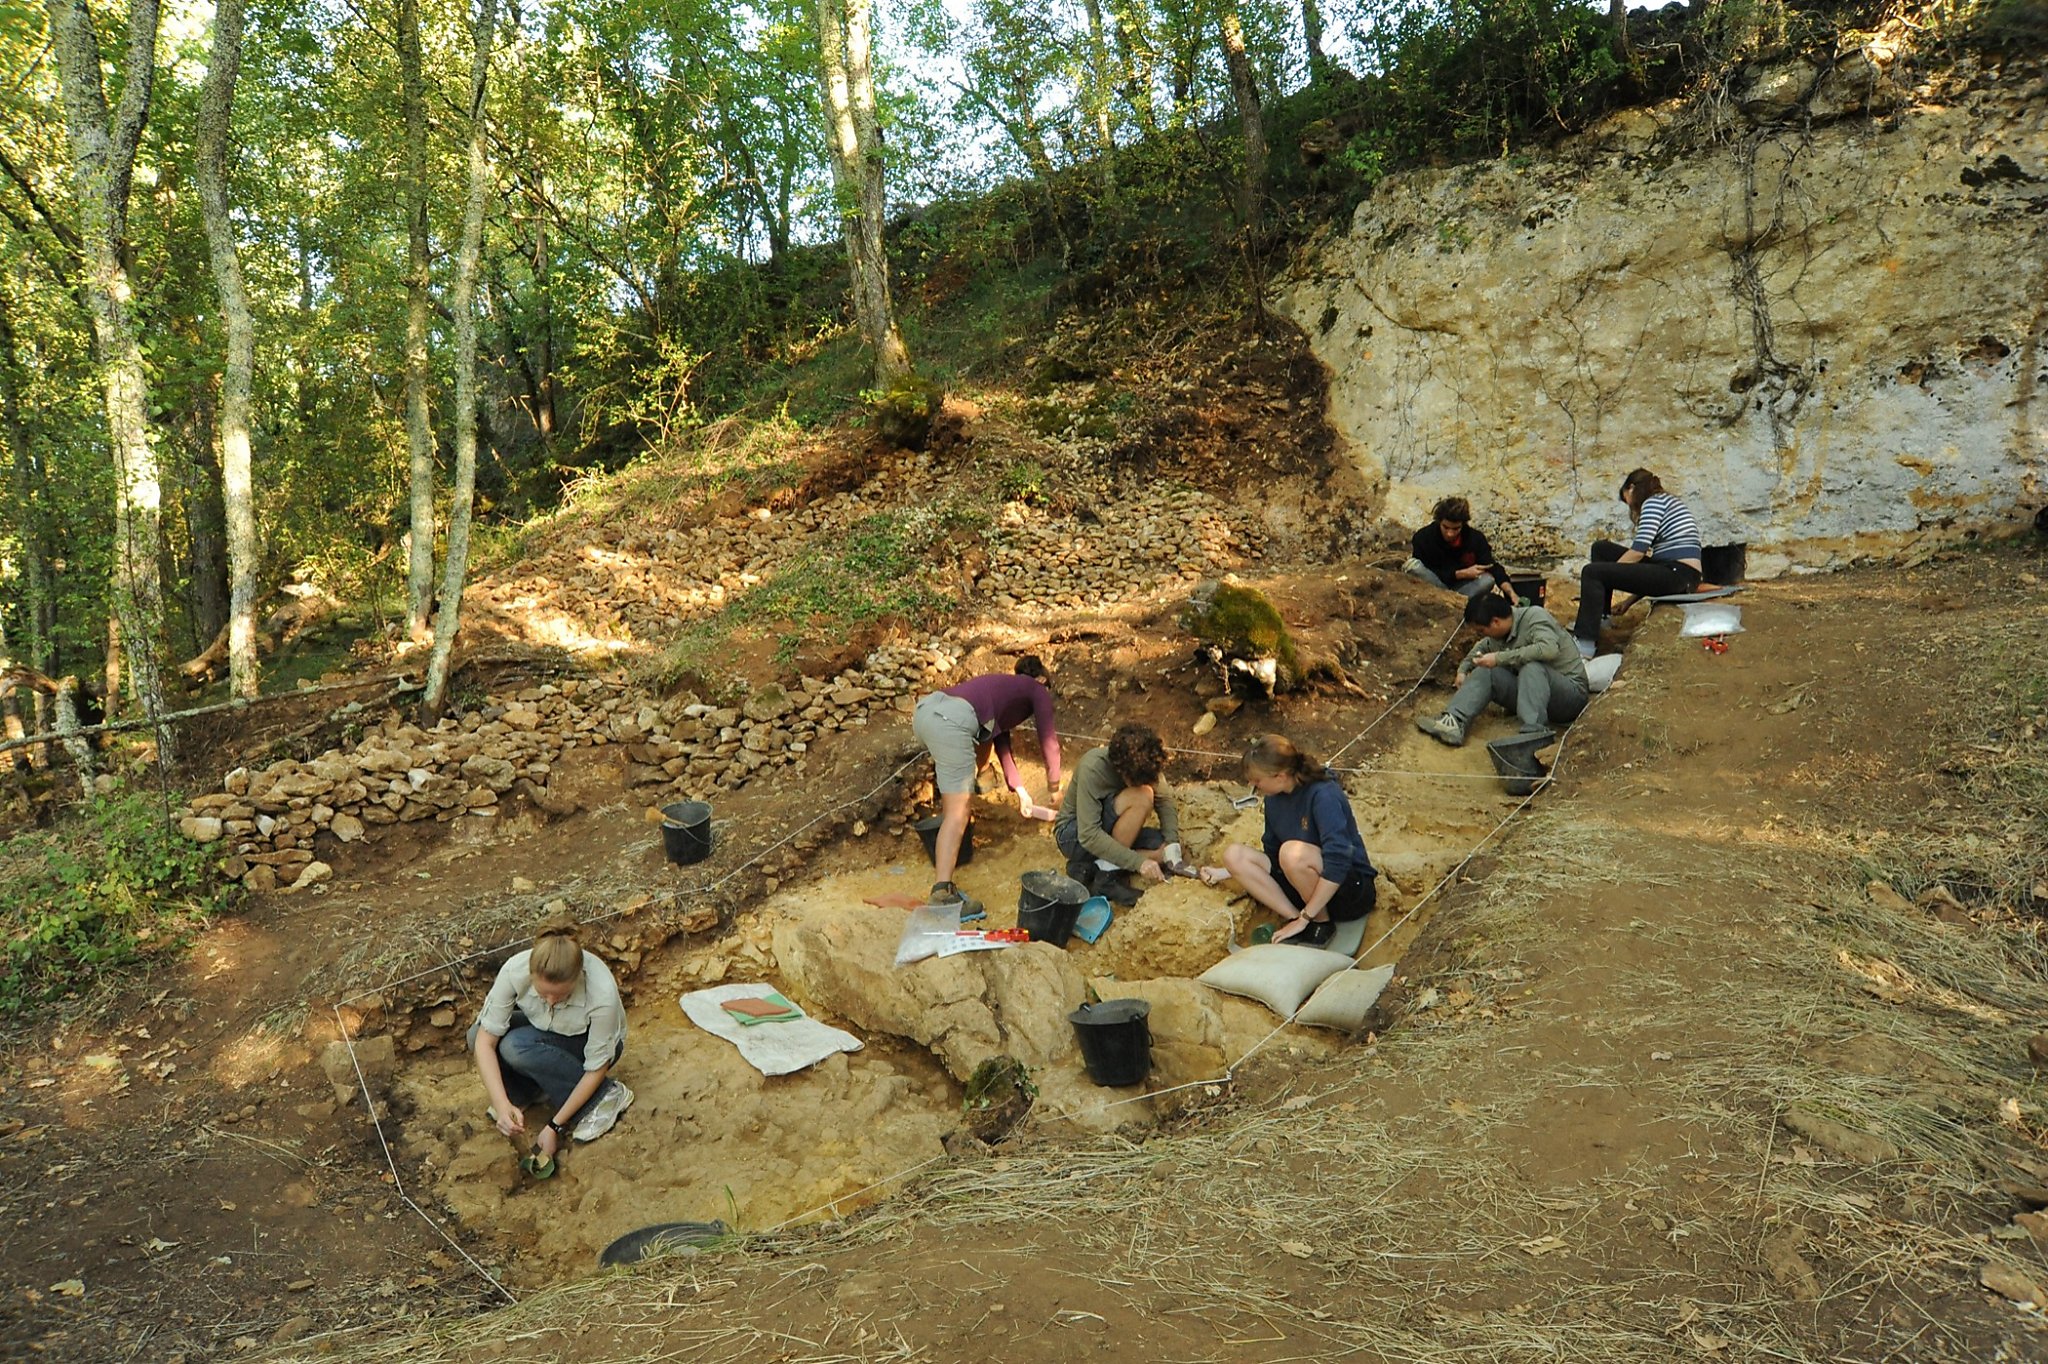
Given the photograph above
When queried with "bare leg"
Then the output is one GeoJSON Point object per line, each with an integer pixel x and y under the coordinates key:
{"type": "Point", "coordinates": [1133, 813]}
{"type": "Point", "coordinates": [1255, 874]}
{"type": "Point", "coordinates": [1302, 864]}
{"type": "Point", "coordinates": [953, 808]}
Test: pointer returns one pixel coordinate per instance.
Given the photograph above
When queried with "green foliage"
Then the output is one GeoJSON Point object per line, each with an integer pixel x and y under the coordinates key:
{"type": "Point", "coordinates": [904, 411]}
{"type": "Point", "coordinates": [1026, 481]}
{"type": "Point", "coordinates": [108, 886]}
{"type": "Point", "coordinates": [884, 569]}
{"type": "Point", "coordinates": [1244, 624]}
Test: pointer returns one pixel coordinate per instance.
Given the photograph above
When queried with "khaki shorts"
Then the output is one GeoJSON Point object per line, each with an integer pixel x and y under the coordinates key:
{"type": "Point", "coordinates": [948, 727]}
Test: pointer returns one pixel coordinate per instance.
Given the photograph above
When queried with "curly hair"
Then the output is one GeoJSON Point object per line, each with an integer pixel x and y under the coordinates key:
{"type": "Point", "coordinates": [1137, 754]}
{"type": "Point", "coordinates": [1453, 509]}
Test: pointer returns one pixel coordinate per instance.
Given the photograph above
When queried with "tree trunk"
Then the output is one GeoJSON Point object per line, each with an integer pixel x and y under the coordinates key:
{"type": "Point", "coordinates": [1139, 60]}
{"type": "Point", "coordinates": [206, 550]}
{"type": "Point", "coordinates": [462, 301]}
{"type": "Point", "coordinates": [25, 479]}
{"type": "Point", "coordinates": [1097, 98]}
{"type": "Point", "coordinates": [216, 124]}
{"type": "Point", "coordinates": [846, 79]}
{"type": "Point", "coordinates": [1312, 34]}
{"type": "Point", "coordinates": [1617, 15]}
{"type": "Point", "coordinates": [1244, 87]}
{"type": "Point", "coordinates": [419, 309]}
{"type": "Point", "coordinates": [103, 168]}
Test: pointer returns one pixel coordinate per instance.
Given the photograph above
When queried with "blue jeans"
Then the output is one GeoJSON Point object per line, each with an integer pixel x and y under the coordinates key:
{"type": "Point", "coordinates": [1066, 836]}
{"type": "Point", "coordinates": [537, 1063]}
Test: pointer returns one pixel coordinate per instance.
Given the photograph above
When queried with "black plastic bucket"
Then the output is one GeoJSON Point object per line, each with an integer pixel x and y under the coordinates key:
{"type": "Point", "coordinates": [1515, 759]}
{"type": "Point", "coordinates": [1048, 904]}
{"type": "Point", "coordinates": [686, 831]}
{"type": "Point", "coordinates": [664, 1238]}
{"type": "Point", "coordinates": [1724, 565]}
{"type": "Point", "coordinates": [1529, 589]}
{"type": "Point", "coordinates": [928, 831]}
{"type": "Point", "coordinates": [1116, 1042]}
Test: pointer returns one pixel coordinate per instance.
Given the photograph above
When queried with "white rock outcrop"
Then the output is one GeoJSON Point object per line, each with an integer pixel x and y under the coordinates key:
{"type": "Point", "coordinates": [1820, 320]}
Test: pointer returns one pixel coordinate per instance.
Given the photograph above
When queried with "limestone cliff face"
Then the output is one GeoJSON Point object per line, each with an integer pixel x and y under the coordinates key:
{"type": "Point", "coordinates": [1817, 309]}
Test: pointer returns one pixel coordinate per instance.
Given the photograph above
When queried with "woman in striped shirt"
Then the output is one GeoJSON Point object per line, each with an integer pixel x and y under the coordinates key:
{"type": "Point", "coordinates": [1662, 559]}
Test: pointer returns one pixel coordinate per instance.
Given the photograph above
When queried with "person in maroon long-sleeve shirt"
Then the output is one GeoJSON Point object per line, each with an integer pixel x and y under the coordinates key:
{"type": "Point", "coordinates": [959, 725]}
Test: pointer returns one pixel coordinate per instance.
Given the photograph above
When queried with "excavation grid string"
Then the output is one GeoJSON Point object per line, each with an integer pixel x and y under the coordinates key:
{"type": "Point", "coordinates": [1227, 1075]}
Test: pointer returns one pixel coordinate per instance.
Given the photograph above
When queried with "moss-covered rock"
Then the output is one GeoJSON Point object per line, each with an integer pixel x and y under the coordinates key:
{"type": "Point", "coordinates": [905, 410]}
{"type": "Point", "coordinates": [999, 1094]}
{"type": "Point", "coordinates": [1247, 629]}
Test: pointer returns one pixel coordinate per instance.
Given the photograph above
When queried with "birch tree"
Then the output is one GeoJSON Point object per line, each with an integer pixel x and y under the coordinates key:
{"type": "Point", "coordinates": [854, 138]}
{"type": "Point", "coordinates": [419, 307]}
{"type": "Point", "coordinates": [215, 127]}
{"type": "Point", "coordinates": [103, 144]}
{"type": "Point", "coordinates": [1244, 88]}
{"type": "Point", "coordinates": [1096, 98]}
{"type": "Point", "coordinates": [462, 303]}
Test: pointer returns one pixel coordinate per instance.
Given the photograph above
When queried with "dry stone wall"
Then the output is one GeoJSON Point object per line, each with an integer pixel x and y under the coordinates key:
{"type": "Point", "coordinates": [1815, 307]}
{"type": "Point", "coordinates": [273, 819]}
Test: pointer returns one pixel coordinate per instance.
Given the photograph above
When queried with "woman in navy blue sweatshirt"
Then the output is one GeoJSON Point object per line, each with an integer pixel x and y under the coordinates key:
{"type": "Point", "coordinates": [1311, 869]}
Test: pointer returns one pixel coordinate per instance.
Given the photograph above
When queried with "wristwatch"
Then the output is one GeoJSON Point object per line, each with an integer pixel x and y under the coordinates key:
{"type": "Point", "coordinates": [556, 1126]}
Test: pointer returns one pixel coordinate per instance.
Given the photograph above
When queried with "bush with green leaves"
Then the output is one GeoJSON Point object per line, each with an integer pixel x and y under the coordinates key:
{"type": "Point", "coordinates": [109, 885]}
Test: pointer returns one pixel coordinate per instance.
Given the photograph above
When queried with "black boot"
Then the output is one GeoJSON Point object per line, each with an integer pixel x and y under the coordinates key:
{"type": "Point", "coordinates": [1112, 886]}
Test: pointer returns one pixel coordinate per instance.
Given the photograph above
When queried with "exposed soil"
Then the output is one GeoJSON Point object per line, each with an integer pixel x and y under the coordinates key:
{"type": "Point", "coordinates": [1620, 1105]}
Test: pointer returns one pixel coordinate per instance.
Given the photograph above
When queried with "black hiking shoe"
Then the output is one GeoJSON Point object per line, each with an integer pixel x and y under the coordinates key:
{"type": "Point", "coordinates": [1112, 886]}
{"type": "Point", "coordinates": [946, 893]}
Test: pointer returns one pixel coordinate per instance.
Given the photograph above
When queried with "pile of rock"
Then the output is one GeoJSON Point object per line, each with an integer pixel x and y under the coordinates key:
{"type": "Point", "coordinates": [1045, 562]}
{"type": "Point", "coordinates": [699, 745]}
{"type": "Point", "coordinates": [398, 773]}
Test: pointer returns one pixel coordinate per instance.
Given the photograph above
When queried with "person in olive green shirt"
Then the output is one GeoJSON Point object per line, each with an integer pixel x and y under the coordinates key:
{"type": "Point", "coordinates": [1113, 797]}
{"type": "Point", "coordinates": [1523, 662]}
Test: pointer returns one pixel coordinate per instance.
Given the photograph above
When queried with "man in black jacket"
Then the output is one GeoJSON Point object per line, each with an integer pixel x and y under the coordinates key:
{"type": "Point", "coordinates": [1453, 555]}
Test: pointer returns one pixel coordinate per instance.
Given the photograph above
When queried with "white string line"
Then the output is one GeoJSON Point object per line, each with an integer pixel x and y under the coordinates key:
{"type": "Point", "coordinates": [1227, 1076]}
{"type": "Point", "coordinates": [363, 1083]}
{"type": "Point", "coordinates": [1402, 699]}
{"type": "Point", "coordinates": [1535, 789]}
{"type": "Point", "coordinates": [398, 1183]}
{"type": "Point", "coordinates": [609, 915]}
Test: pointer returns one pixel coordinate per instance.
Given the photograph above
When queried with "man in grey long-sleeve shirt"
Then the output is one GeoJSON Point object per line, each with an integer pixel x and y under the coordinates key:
{"type": "Point", "coordinates": [1524, 662]}
{"type": "Point", "coordinates": [1114, 795]}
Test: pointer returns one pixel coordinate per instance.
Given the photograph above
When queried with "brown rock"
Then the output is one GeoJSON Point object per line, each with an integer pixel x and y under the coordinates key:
{"type": "Point", "coordinates": [2034, 1224]}
{"type": "Point", "coordinates": [346, 827]}
{"type": "Point", "coordinates": [261, 879]}
{"type": "Point", "coordinates": [1788, 1268]}
{"type": "Point", "coordinates": [1859, 1148]}
{"type": "Point", "coordinates": [201, 828]}
{"type": "Point", "coordinates": [376, 1056]}
{"type": "Point", "coordinates": [2037, 1048]}
{"type": "Point", "coordinates": [2012, 1284]}
{"type": "Point", "coordinates": [1884, 897]}
{"type": "Point", "coordinates": [312, 874]}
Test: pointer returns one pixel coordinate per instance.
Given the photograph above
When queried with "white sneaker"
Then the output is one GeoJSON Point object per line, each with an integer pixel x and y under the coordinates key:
{"type": "Point", "coordinates": [600, 1117]}
{"type": "Point", "coordinates": [1587, 648]}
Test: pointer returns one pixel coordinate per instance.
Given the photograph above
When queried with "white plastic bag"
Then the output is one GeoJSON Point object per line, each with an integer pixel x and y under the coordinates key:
{"type": "Point", "coordinates": [1600, 672]}
{"type": "Point", "coordinates": [925, 930]}
{"type": "Point", "coordinates": [1705, 619]}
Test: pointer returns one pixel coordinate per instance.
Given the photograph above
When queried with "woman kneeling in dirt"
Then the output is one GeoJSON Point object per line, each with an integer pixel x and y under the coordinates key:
{"type": "Point", "coordinates": [1312, 868]}
{"type": "Point", "coordinates": [552, 1027]}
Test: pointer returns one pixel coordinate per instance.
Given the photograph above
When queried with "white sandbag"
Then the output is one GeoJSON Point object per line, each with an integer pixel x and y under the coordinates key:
{"type": "Point", "coordinates": [1600, 672]}
{"type": "Point", "coordinates": [1343, 1001]}
{"type": "Point", "coordinates": [1705, 619]}
{"type": "Point", "coordinates": [1280, 975]}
